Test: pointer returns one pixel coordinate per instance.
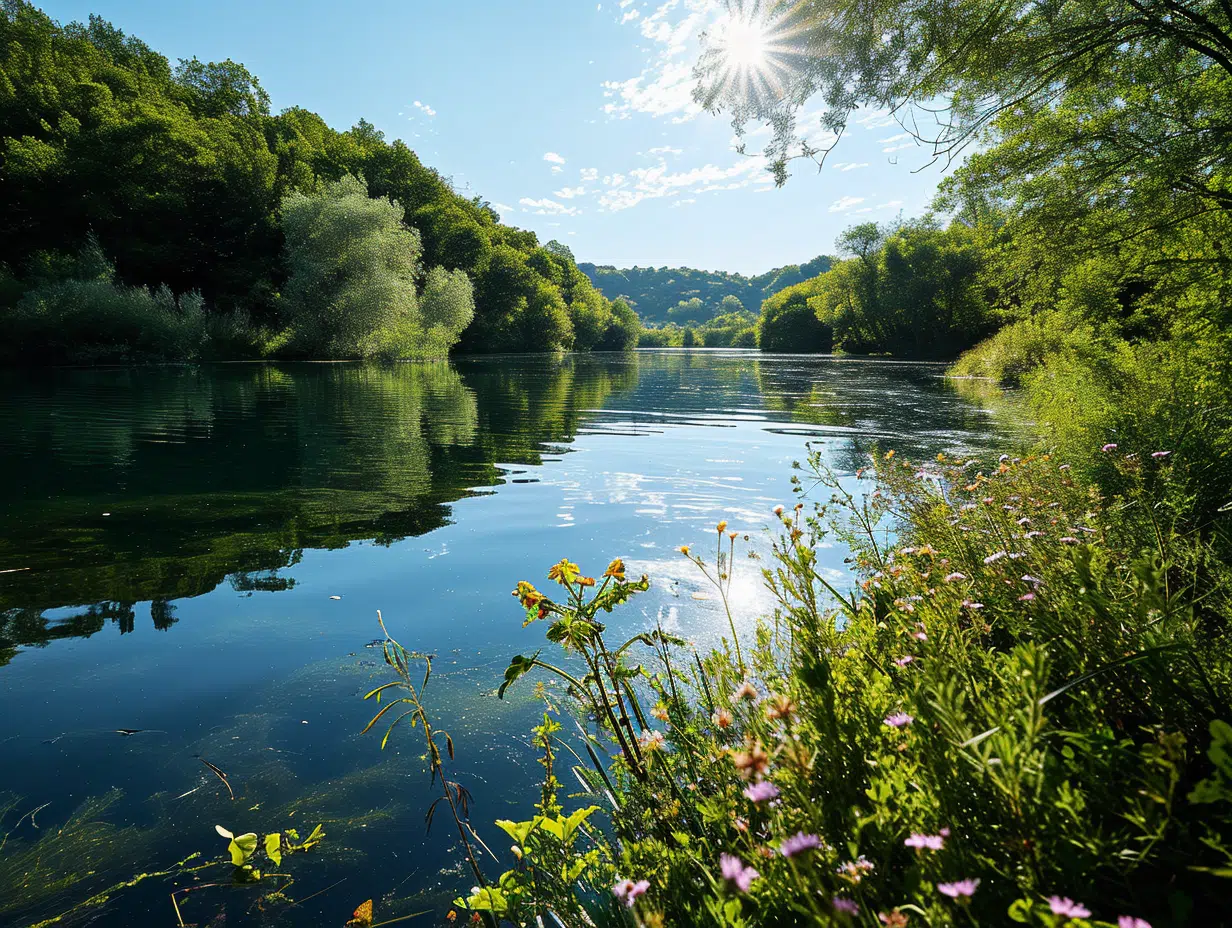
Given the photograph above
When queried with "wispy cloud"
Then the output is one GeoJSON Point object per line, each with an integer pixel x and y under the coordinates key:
{"type": "Point", "coordinates": [849, 165]}
{"type": "Point", "coordinates": [630, 16]}
{"type": "Point", "coordinates": [424, 108]}
{"type": "Point", "coordinates": [666, 150]}
{"type": "Point", "coordinates": [893, 148]}
{"type": "Point", "coordinates": [546, 207]}
{"type": "Point", "coordinates": [504, 208]}
{"type": "Point", "coordinates": [845, 204]}
{"type": "Point", "coordinates": [553, 157]}
{"type": "Point", "coordinates": [685, 202]}
{"type": "Point", "coordinates": [894, 138]}
{"type": "Point", "coordinates": [568, 193]}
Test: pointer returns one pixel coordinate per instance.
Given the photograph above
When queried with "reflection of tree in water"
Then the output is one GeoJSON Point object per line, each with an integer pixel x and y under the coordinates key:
{"type": "Point", "coordinates": [153, 485]}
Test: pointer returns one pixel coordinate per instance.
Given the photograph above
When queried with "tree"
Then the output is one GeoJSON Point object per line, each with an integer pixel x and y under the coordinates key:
{"type": "Point", "coordinates": [351, 288]}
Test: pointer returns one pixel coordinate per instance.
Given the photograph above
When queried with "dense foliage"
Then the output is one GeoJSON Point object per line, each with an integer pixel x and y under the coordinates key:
{"type": "Point", "coordinates": [686, 296]}
{"type": "Point", "coordinates": [184, 179]}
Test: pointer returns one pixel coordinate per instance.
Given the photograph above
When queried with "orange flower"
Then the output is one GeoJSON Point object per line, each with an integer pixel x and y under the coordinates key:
{"type": "Point", "coordinates": [721, 527]}
{"type": "Point", "coordinates": [452, 916]}
{"type": "Point", "coordinates": [615, 570]}
{"type": "Point", "coordinates": [753, 761]}
{"type": "Point", "coordinates": [780, 707]}
{"type": "Point", "coordinates": [564, 573]}
{"type": "Point", "coordinates": [722, 718]}
{"type": "Point", "coordinates": [586, 581]}
{"type": "Point", "coordinates": [684, 549]}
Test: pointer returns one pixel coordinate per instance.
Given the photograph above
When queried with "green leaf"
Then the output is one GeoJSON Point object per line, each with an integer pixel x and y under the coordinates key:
{"type": "Point", "coordinates": [242, 847]}
{"type": "Point", "coordinates": [273, 848]}
{"type": "Point", "coordinates": [519, 831]}
{"type": "Point", "coordinates": [488, 899]}
{"type": "Point", "coordinates": [518, 666]}
{"type": "Point", "coordinates": [317, 835]}
{"type": "Point", "coordinates": [1020, 911]}
{"type": "Point", "coordinates": [554, 827]}
{"type": "Point", "coordinates": [574, 821]}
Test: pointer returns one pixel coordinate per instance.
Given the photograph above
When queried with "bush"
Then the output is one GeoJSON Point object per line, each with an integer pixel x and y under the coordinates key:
{"type": "Point", "coordinates": [1021, 347]}
{"type": "Point", "coordinates": [788, 323]}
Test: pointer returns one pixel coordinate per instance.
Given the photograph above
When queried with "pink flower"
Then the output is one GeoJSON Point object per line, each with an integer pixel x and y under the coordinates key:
{"type": "Point", "coordinates": [951, 578]}
{"type": "Point", "coordinates": [925, 842]}
{"type": "Point", "coordinates": [959, 889]}
{"type": "Point", "coordinates": [798, 843]}
{"type": "Point", "coordinates": [735, 872]}
{"type": "Point", "coordinates": [1129, 921]}
{"type": "Point", "coordinates": [904, 660]}
{"type": "Point", "coordinates": [1111, 446]}
{"type": "Point", "coordinates": [1034, 534]}
{"type": "Point", "coordinates": [1069, 540]}
{"type": "Point", "coordinates": [845, 906]}
{"type": "Point", "coordinates": [746, 691]}
{"type": "Point", "coordinates": [968, 604]}
{"type": "Point", "coordinates": [627, 891]}
{"type": "Point", "coordinates": [855, 870]}
{"type": "Point", "coordinates": [1063, 905]}
{"type": "Point", "coordinates": [1160, 454]}
{"type": "Point", "coordinates": [920, 634]}
{"type": "Point", "coordinates": [899, 720]}
{"type": "Point", "coordinates": [1026, 597]}
{"type": "Point", "coordinates": [993, 558]}
{"type": "Point", "coordinates": [761, 791]}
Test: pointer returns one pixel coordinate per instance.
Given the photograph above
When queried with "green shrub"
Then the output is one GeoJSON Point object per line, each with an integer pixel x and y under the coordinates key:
{"type": "Point", "coordinates": [1021, 347]}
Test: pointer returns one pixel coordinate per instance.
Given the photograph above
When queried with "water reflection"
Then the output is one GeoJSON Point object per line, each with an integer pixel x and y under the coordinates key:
{"type": "Point", "coordinates": [126, 487]}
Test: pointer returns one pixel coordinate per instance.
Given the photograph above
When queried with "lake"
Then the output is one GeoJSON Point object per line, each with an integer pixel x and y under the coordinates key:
{"type": "Point", "coordinates": [198, 555]}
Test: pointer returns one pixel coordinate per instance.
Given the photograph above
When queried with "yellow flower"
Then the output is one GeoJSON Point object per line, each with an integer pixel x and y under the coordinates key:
{"type": "Point", "coordinates": [615, 570]}
{"type": "Point", "coordinates": [564, 573]}
{"type": "Point", "coordinates": [889, 455]}
{"type": "Point", "coordinates": [528, 595]}
{"type": "Point", "coordinates": [722, 527]}
{"type": "Point", "coordinates": [660, 712]}
{"type": "Point", "coordinates": [586, 581]}
{"type": "Point", "coordinates": [684, 549]}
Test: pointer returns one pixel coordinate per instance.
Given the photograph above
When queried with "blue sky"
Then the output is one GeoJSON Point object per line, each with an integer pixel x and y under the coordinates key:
{"type": "Point", "coordinates": [573, 115]}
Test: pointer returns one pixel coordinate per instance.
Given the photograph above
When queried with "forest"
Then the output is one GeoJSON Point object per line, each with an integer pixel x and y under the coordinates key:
{"type": "Point", "coordinates": [159, 212]}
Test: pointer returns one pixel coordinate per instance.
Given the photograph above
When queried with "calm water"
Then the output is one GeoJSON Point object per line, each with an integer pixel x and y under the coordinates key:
{"type": "Point", "coordinates": [200, 554]}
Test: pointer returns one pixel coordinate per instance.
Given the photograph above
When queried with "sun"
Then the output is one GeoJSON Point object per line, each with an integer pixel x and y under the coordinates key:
{"type": "Point", "coordinates": [744, 42]}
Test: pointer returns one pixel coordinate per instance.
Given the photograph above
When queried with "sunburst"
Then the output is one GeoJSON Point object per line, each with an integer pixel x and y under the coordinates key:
{"type": "Point", "coordinates": [751, 49]}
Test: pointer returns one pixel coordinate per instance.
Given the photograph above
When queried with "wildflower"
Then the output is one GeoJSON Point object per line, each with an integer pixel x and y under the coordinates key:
{"type": "Point", "coordinates": [904, 660]}
{"type": "Point", "coordinates": [920, 634]}
{"type": "Point", "coordinates": [627, 891]}
{"type": "Point", "coordinates": [961, 890]}
{"type": "Point", "coordinates": [1069, 540]}
{"type": "Point", "coordinates": [659, 712]}
{"type": "Point", "coordinates": [925, 842]}
{"type": "Point", "coordinates": [722, 718]}
{"type": "Point", "coordinates": [1003, 458]}
{"type": "Point", "coordinates": [1160, 454]}
{"type": "Point", "coordinates": [652, 740]}
{"type": "Point", "coordinates": [684, 549]}
{"type": "Point", "coordinates": [1129, 921]}
{"type": "Point", "coordinates": [721, 527]}
{"type": "Point", "coordinates": [735, 872]}
{"type": "Point", "coordinates": [895, 919]}
{"type": "Point", "coordinates": [475, 918]}
{"type": "Point", "coordinates": [1035, 534]}
{"type": "Point", "coordinates": [1063, 905]}
{"type": "Point", "coordinates": [898, 720]}
{"type": "Point", "coordinates": [615, 570]}
{"type": "Point", "coordinates": [798, 844]}
{"type": "Point", "coordinates": [994, 557]}
{"type": "Point", "coordinates": [889, 454]}
{"type": "Point", "coordinates": [1111, 446]}
{"type": "Point", "coordinates": [778, 510]}
{"type": "Point", "coordinates": [451, 916]}
{"type": "Point", "coordinates": [752, 761]}
{"type": "Point", "coordinates": [856, 870]}
{"type": "Point", "coordinates": [731, 536]}
{"type": "Point", "coordinates": [1063, 467]}
{"type": "Point", "coordinates": [1027, 578]}
{"type": "Point", "coordinates": [528, 595]}
{"type": "Point", "coordinates": [780, 707]}
{"type": "Point", "coordinates": [1024, 521]}
{"type": "Point", "coordinates": [516, 851]}
{"type": "Point", "coordinates": [761, 791]}
{"type": "Point", "coordinates": [968, 604]}
{"type": "Point", "coordinates": [563, 573]}
{"type": "Point", "coordinates": [586, 581]}
{"type": "Point", "coordinates": [955, 577]}
{"type": "Point", "coordinates": [746, 691]}
{"type": "Point", "coordinates": [741, 825]}
{"type": "Point", "coordinates": [1026, 597]}
{"type": "Point", "coordinates": [845, 906]}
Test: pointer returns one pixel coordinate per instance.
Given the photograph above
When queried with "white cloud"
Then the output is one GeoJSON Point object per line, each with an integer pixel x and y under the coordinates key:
{"type": "Point", "coordinates": [568, 193]}
{"type": "Point", "coordinates": [890, 204]}
{"type": "Point", "coordinates": [553, 157]}
{"type": "Point", "coordinates": [666, 150]}
{"type": "Point", "coordinates": [849, 165]}
{"type": "Point", "coordinates": [652, 183]}
{"type": "Point", "coordinates": [846, 203]}
{"type": "Point", "coordinates": [424, 108]}
{"type": "Point", "coordinates": [893, 148]}
{"type": "Point", "coordinates": [590, 174]}
{"type": "Point", "coordinates": [894, 138]}
{"type": "Point", "coordinates": [557, 169]}
{"type": "Point", "coordinates": [546, 207]}
{"type": "Point", "coordinates": [685, 202]}
{"type": "Point", "coordinates": [877, 119]}
{"type": "Point", "coordinates": [629, 17]}
{"type": "Point", "coordinates": [504, 208]}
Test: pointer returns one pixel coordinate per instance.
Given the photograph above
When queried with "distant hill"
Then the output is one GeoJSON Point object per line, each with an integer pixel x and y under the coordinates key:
{"type": "Point", "coordinates": [655, 291]}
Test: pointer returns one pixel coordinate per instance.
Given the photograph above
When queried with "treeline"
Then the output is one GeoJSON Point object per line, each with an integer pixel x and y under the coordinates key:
{"type": "Point", "coordinates": [163, 212]}
{"type": "Point", "coordinates": [689, 297]}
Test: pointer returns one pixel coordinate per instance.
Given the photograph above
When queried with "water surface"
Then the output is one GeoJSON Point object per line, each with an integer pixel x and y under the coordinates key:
{"type": "Point", "coordinates": [199, 553]}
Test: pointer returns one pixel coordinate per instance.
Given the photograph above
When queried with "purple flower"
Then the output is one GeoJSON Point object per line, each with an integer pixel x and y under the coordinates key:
{"type": "Point", "coordinates": [1027, 578]}
{"type": "Point", "coordinates": [950, 578]}
{"type": "Point", "coordinates": [1129, 921]}
{"type": "Point", "coordinates": [736, 873]}
{"type": "Point", "coordinates": [920, 635]}
{"type": "Point", "coordinates": [968, 604]}
{"type": "Point", "coordinates": [761, 791]}
{"type": "Point", "coordinates": [1026, 597]}
{"type": "Point", "coordinates": [1111, 446]}
{"type": "Point", "coordinates": [1160, 454]}
{"type": "Point", "coordinates": [993, 558]}
{"type": "Point", "coordinates": [846, 906]}
{"type": "Point", "coordinates": [904, 660]}
{"type": "Point", "coordinates": [1063, 905]}
{"type": "Point", "coordinates": [627, 891]}
{"type": "Point", "coordinates": [925, 842]}
{"type": "Point", "coordinates": [959, 889]}
{"type": "Point", "coordinates": [899, 720]}
{"type": "Point", "coordinates": [798, 843]}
